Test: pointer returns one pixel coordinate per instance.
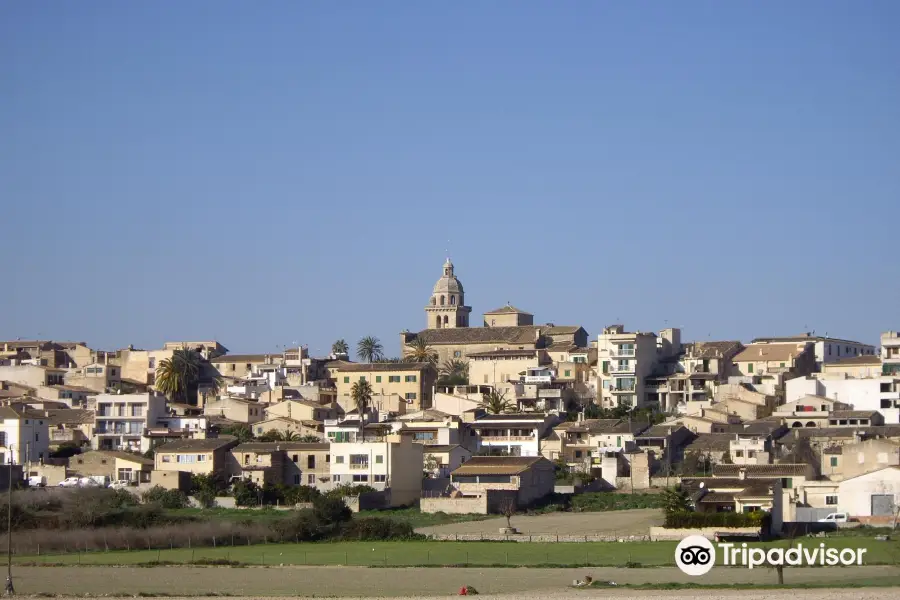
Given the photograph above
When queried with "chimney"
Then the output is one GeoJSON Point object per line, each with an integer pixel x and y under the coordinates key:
{"type": "Point", "coordinates": [742, 473]}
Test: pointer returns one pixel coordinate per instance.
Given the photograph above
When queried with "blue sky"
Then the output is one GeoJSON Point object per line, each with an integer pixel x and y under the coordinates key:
{"type": "Point", "coordinates": [264, 173]}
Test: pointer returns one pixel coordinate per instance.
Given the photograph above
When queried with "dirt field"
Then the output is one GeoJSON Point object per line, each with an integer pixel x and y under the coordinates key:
{"type": "Point", "coordinates": [616, 522]}
{"type": "Point", "coordinates": [371, 582]}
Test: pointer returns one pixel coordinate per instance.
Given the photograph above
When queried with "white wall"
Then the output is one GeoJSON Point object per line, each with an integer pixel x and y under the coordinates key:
{"type": "Point", "coordinates": [855, 495]}
{"type": "Point", "coordinates": [862, 394]}
{"type": "Point", "coordinates": [27, 438]}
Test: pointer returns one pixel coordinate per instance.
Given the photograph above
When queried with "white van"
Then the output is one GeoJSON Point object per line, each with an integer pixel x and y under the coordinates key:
{"type": "Point", "coordinates": [838, 517]}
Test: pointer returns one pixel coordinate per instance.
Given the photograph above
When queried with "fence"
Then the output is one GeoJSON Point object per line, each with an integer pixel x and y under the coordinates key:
{"type": "Point", "coordinates": [534, 537]}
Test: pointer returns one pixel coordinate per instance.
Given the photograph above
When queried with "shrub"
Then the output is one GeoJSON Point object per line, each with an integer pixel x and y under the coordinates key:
{"type": "Point", "coordinates": [342, 491]}
{"type": "Point", "coordinates": [300, 493]}
{"type": "Point", "coordinates": [601, 501]}
{"type": "Point", "coordinates": [169, 499]}
{"type": "Point", "coordinates": [330, 511]}
{"type": "Point", "coordinates": [246, 493]}
{"type": "Point", "coordinates": [691, 520]}
{"type": "Point", "coordinates": [373, 529]}
{"type": "Point", "coordinates": [302, 527]}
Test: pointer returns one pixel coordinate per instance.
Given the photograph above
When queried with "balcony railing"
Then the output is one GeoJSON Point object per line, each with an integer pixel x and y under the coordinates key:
{"type": "Point", "coordinates": [359, 467]}
{"type": "Point", "coordinates": [508, 438]}
{"type": "Point", "coordinates": [620, 352]}
{"type": "Point", "coordinates": [622, 389]}
{"type": "Point", "coordinates": [629, 368]}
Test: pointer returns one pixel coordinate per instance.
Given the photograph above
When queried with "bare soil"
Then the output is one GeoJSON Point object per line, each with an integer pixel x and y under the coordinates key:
{"type": "Point", "coordinates": [415, 582]}
{"type": "Point", "coordinates": [616, 522]}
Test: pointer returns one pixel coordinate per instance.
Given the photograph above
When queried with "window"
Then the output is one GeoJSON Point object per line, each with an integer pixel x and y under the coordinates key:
{"type": "Point", "coordinates": [296, 480]}
{"type": "Point", "coordinates": [568, 373]}
{"type": "Point", "coordinates": [787, 483]}
{"type": "Point", "coordinates": [831, 500]}
{"type": "Point", "coordinates": [152, 364]}
{"type": "Point", "coordinates": [457, 354]}
{"type": "Point", "coordinates": [165, 458]}
{"type": "Point", "coordinates": [578, 454]}
{"type": "Point", "coordinates": [410, 395]}
{"type": "Point", "coordinates": [378, 379]}
{"type": "Point", "coordinates": [380, 478]}
{"type": "Point", "coordinates": [185, 458]}
{"type": "Point", "coordinates": [485, 378]}
{"type": "Point", "coordinates": [346, 380]}
{"type": "Point", "coordinates": [393, 379]}
{"type": "Point", "coordinates": [782, 365]}
{"type": "Point", "coordinates": [311, 461]}
{"type": "Point", "coordinates": [751, 453]}
{"type": "Point", "coordinates": [363, 478]}
{"type": "Point", "coordinates": [336, 478]}
{"type": "Point", "coordinates": [295, 458]}
{"type": "Point", "coordinates": [410, 379]}
{"type": "Point", "coordinates": [310, 479]}
{"type": "Point", "coordinates": [834, 461]}
{"type": "Point", "coordinates": [423, 436]}
{"type": "Point", "coordinates": [362, 377]}
{"type": "Point", "coordinates": [379, 459]}
{"type": "Point", "coordinates": [618, 441]}
{"type": "Point", "coordinates": [749, 367]}
{"type": "Point", "coordinates": [339, 460]}
{"type": "Point", "coordinates": [739, 453]}
{"type": "Point", "coordinates": [606, 367]}
{"type": "Point", "coordinates": [829, 349]}
{"type": "Point", "coordinates": [201, 458]}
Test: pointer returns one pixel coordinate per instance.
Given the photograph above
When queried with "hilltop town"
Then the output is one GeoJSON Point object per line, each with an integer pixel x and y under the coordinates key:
{"type": "Point", "coordinates": [474, 416]}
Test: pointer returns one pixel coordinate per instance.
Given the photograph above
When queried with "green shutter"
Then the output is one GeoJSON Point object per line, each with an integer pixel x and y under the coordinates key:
{"type": "Point", "coordinates": [378, 379]}
{"type": "Point", "coordinates": [834, 461]}
{"type": "Point", "coordinates": [568, 373]}
{"type": "Point", "coordinates": [749, 367]}
{"type": "Point", "coordinates": [346, 380]}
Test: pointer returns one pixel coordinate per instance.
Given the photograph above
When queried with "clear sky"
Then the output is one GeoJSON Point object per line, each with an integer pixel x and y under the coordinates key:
{"type": "Point", "coordinates": [270, 172]}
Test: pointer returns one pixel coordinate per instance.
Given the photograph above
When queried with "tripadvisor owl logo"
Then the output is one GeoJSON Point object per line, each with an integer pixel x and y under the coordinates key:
{"type": "Point", "coordinates": [695, 555]}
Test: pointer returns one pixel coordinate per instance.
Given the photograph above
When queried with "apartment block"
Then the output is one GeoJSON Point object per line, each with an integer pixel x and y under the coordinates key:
{"type": "Point", "coordinates": [395, 464]}
{"type": "Point", "coordinates": [396, 387]}
{"type": "Point", "coordinates": [120, 420]}
{"type": "Point", "coordinates": [825, 349]}
{"type": "Point", "coordinates": [626, 359]}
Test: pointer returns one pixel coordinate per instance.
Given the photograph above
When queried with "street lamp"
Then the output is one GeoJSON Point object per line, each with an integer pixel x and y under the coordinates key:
{"type": "Point", "coordinates": [10, 590]}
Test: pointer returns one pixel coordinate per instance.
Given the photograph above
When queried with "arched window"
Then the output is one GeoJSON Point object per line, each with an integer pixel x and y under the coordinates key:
{"type": "Point", "coordinates": [433, 301]}
{"type": "Point", "coordinates": [811, 424]}
{"type": "Point", "coordinates": [452, 299]}
{"type": "Point", "coordinates": [446, 320]}
{"type": "Point", "coordinates": [442, 300]}
{"type": "Point", "coordinates": [438, 321]}
{"type": "Point", "coordinates": [794, 425]}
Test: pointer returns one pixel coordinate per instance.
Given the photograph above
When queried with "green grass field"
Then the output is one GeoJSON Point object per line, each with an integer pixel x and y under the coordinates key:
{"type": "Point", "coordinates": [416, 553]}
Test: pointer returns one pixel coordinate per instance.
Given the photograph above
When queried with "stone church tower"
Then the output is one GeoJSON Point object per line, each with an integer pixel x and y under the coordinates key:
{"type": "Point", "coordinates": [447, 307]}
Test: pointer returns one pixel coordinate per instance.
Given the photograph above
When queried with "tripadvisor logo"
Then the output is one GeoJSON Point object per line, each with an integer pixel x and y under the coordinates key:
{"type": "Point", "coordinates": [695, 555]}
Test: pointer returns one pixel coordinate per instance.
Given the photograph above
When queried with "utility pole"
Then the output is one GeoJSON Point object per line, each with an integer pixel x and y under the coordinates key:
{"type": "Point", "coordinates": [10, 590]}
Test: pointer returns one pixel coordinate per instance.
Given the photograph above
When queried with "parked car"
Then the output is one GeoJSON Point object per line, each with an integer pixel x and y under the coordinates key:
{"type": "Point", "coordinates": [70, 482]}
{"type": "Point", "coordinates": [88, 482]}
{"type": "Point", "coordinates": [838, 517]}
{"type": "Point", "coordinates": [100, 480]}
{"type": "Point", "coordinates": [120, 484]}
{"type": "Point", "coordinates": [37, 481]}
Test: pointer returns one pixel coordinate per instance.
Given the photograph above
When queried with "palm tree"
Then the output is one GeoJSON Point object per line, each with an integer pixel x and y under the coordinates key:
{"type": "Point", "coordinates": [340, 347]}
{"type": "Point", "coordinates": [454, 371]}
{"type": "Point", "coordinates": [178, 376]}
{"type": "Point", "coordinates": [420, 351]}
{"type": "Point", "coordinates": [495, 403]}
{"type": "Point", "coordinates": [390, 359]}
{"type": "Point", "coordinates": [361, 392]}
{"type": "Point", "coordinates": [290, 436]}
{"type": "Point", "coordinates": [309, 439]}
{"type": "Point", "coordinates": [369, 349]}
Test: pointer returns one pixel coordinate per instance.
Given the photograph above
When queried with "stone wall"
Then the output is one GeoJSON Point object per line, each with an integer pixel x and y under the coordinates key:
{"type": "Point", "coordinates": [664, 533]}
{"type": "Point", "coordinates": [477, 505]}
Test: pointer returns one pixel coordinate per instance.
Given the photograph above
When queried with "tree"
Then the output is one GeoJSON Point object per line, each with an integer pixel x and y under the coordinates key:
{"type": "Point", "coordinates": [361, 393]}
{"type": "Point", "coordinates": [369, 349]}
{"type": "Point", "coordinates": [726, 459]}
{"type": "Point", "coordinates": [454, 371]}
{"type": "Point", "coordinates": [495, 402]}
{"type": "Point", "coordinates": [272, 435]}
{"type": "Point", "coordinates": [241, 432]}
{"type": "Point", "coordinates": [340, 347]}
{"type": "Point", "coordinates": [178, 377]}
{"type": "Point", "coordinates": [309, 439]}
{"type": "Point", "coordinates": [676, 500]}
{"type": "Point", "coordinates": [507, 508]}
{"type": "Point", "coordinates": [419, 351]}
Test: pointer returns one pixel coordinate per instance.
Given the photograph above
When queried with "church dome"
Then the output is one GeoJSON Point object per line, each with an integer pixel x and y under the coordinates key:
{"type": "Point", "coordinates": [448, 283]}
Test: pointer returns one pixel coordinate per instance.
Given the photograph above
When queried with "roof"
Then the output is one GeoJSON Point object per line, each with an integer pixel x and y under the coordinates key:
{"type": "Point", "coordinates": [508, 309]}
{"type": "Point", "coordinates": [781, 470]}
{"type": "Point", "coordinates": [135, 458]}
{"type": "Point", "coordinates": [769, 352]}
{"type": "Point", "coordinates": [401, 366]}
{"type": "Point", "coordinates": [429, 414]}
{"type": "Point", "coordinates": [60, 416]}
{"type": "Point", "coordinates": [435, 449]}
{"type": "Point", "coordinates": [523, 334]}
{"type": "Point", "coordinates": [197, 445]}
{"type": "Point", "coordinates": [889, 431]}
{"type": "Point", "coordinates": [806, 337]}
{"type": "Point", "coordinates": [244, 358]}
{"type": "Point", "coordinates": [560, 329]}
{"type": "Point", "coordinates": [713, 442]}
{"type": "Point", "coordinates": [512, 417]}
{"type": "Point", "coordinates": [522, 353]}
{"type": "Point", "coordinates": [862, 359]}
{"type": "Point", "coordinates": [718, 497]}
{"type": "Point", "coordinates": [833, 450]}
{"type": "Point", "coordinates": [711, 349]}
{"type": "Point", "coordinates": [260, 447]}
{"type": "Point", "coordinates": [852, 414]}
{"type": "Point", "coordinates": [764, 426]}
{"type": "Point", "coordinates": [74, 388]}
{"type": "Point", "coordinates": [661, 431]}
{"type": "Point", "coordinates": [497, 465]}
{"type": "Point", "coordinates": [21, 413]}
{"type": "Point", "coordinates": [755, 489]}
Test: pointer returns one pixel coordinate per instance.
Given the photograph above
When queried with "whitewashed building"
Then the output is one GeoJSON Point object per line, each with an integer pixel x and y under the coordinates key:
{"type": "Point", "coordinates": [24, 436]}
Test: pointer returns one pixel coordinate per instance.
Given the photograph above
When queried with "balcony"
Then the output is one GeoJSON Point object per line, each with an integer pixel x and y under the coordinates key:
{"type": "Point", "coordinates": [627, 389]}
{"type": "Point", "coordinates": [629, 368]}
{"type": "Point", "coordinates": [507, 438]}
{"type": "Point", "coordinates": [359, 466]}
{"type": "Point", "coordinates": [614, 351]}
{"type": "Point", "coordinates": [537, 379]}
{"type": "Point", "coordinates": [62, 435]}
